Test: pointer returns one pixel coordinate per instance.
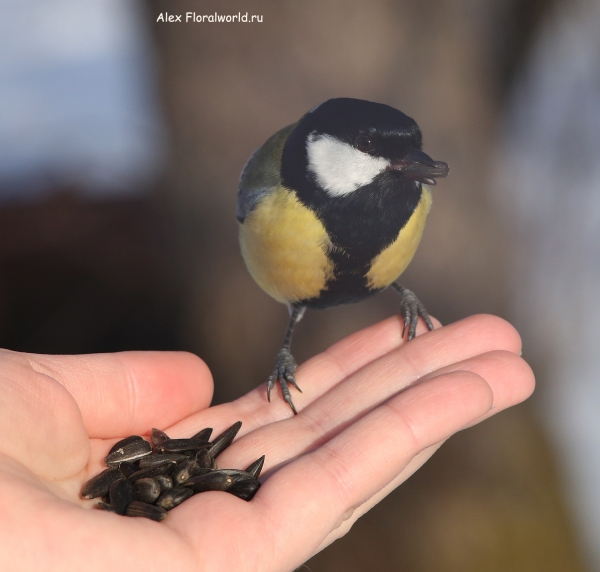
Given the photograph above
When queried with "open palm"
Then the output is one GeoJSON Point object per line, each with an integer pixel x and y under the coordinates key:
{"type": "Point", "coordinates": [374, 409]}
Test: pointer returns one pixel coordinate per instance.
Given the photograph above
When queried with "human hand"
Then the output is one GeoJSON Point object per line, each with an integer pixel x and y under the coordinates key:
{"type": "Point", "coordinates": [374, 409]}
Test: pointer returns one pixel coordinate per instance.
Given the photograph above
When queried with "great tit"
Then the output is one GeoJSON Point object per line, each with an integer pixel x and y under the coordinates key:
{"type": "Point", "coordinates": [331, 210]}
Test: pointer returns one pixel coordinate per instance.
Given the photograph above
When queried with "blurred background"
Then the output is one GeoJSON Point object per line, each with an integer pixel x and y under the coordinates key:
{"type": "Point", "coordinates": [121, 143]}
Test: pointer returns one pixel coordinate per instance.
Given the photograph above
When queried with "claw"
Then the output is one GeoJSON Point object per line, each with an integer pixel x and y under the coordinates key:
{"type": "Point", "coordinates": [291, 379]}
{"type": "Point", "coordinates": [411, 309]}
{"type": "Point", "coordinates": [414, 318]}
{"type": "Point", "coordinates": [427, 320]}
{"type": "Point", "coordinates": [270, 384]}
{"type": "Point", "coordinates": [286, 393]}
{"type": "Point", "coordinates": [406, 321]}
{"type": "Point", "coordinates": [284, 373]}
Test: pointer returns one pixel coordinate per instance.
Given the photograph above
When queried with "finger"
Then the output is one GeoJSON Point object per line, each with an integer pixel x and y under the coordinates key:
{"type": "Point", "coordinates": [130, 392]}
{"type": "Point", "coordinates": [306, 499]}
{"type": "Point", "coordinates": [440, 351]}
{"type": "Point", "coordinates": [476, 334]}
{"type": "Point", "coordinates": [455, 342]}
{"type": "Point", "coordinates": [480, 333]}
{"type": "Point", "coordinates": [322, 486]}
{"type": "Point", "coordinates": [508, 375]}
{"type": "Point", "coordinates": [40, 424]}
{"type": "Point", "coordinates": [511, 380]}
{"type": "Point", "coordinates": [351, 516]}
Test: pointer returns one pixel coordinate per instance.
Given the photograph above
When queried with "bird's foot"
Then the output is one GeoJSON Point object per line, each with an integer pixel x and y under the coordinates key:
{"type": "Point", "coordinates": [284, 372]}
{"type": "Point", "coordinates": [411, 308]}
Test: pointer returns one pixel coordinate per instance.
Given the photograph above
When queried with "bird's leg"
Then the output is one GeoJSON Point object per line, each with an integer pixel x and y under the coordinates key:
{"type": "Point", "coordinates": [285, 368]}
{"type": "Point", "coordinates": [411, 309]}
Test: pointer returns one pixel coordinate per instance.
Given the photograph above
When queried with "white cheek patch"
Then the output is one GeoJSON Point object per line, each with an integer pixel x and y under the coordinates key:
{"type": "Point", "coordinates": [340, 168]}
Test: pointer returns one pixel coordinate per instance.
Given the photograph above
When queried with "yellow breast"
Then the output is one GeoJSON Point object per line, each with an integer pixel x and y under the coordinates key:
{"type": "Point", "coordinates": [284, 246]}
{"type": "Point", "coordinates": [393, 260]}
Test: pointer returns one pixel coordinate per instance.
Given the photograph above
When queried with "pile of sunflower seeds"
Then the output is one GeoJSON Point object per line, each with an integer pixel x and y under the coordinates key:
{"type": "Point", "coordinates": [149, 480]}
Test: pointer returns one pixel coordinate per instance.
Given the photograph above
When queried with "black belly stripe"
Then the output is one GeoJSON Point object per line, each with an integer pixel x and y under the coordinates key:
{"type": "Point", "coordinates": [360, 225]}
{"type": "Point", "coordinates": [346, 290]}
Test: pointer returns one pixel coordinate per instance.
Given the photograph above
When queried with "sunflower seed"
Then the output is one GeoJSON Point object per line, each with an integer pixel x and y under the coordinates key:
{"type": "Point", "coordinates": [146, 490]}
{"type": "Point", "coordinates": [225, 439]}
{"type": "Point", "coordinates": [138, 508]}
{"type": "Point", "coordinates": [164, 482]}
{"type": "Point", "coordinates": [203, 435]}
{"type": "Point", "coordinates": [129, 452]}
{"type": "Point", "coordinates": [173, 497]}
{"type": "Point", "coordinates": [98, 486]}
{"type": "Point", "coordinates": [244, 489]}
{"type": "Point", "coordinates": [125, 442]}
{"type": "Point", "coordinates": [128, 468]}
{"type": "Point", "coordinates": [142, 481]}
{"type": "Point", "coordinates": [157, 436]}
{"type": "Point", "coordinates": [214, 481]}
{"type": "Point", "coordinates": [236, 474]}
{"type": "Point", "coordinates": [180, 445]}
{"type": "Point", "coordinates": [107, 507]}
{"type": "Point", "coordinates": [120, 494]}
{"type": "Point", "coordinates": [182, 471]}
{"type": "Point", "coordinates": [161, 469]}
{"type": "Point", "coordinates": [152, 460]}
{"type": "Point", "coordinates": [255, 468]}
{"type": "Point", "coordinates": [204, 460]}
{"type": "Point", "coordinates": [198, 471]}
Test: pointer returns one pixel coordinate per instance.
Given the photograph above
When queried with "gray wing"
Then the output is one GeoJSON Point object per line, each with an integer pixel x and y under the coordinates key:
{"type": "Point", "coordinates": [262, 173]}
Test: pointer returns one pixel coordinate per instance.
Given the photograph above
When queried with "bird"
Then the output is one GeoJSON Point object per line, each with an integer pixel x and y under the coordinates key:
{"type": "Point", "coordinates": [331, 210]}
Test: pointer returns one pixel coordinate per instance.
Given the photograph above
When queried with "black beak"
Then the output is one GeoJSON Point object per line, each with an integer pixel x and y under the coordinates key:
{"type": "Point", "coordinates": [420, 167]}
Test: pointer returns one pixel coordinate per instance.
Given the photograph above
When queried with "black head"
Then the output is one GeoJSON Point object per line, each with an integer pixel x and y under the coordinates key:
{"type": "Point", "coordinates": [375, 128]}
{"type": "Point", "coordinates": [344, 144]}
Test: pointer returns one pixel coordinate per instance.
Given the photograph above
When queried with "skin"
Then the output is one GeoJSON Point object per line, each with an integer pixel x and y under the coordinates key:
{"type": "Point", "coordinates": [374, 409]}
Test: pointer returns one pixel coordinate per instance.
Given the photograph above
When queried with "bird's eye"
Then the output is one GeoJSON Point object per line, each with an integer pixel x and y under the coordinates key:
{"type": "Point", "coordinates": [364, 143]}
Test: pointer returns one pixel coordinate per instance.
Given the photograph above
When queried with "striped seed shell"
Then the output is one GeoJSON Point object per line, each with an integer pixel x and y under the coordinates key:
{"type": "Point", "coordinates": [236, 474]}
{"type": "Point", "coordinates": [180, 445]}
{"type": "Point", "coordinates": [128, 452]}
{"type": "Point", "coordinates": [213, 481]}
{"type": "Point", "coordinates": [120, 494]}
{"type": "Point", "coordinates": [183, 471]}
{"type": "Point", "coordinates": [255, 468]}
{"type": "Point", "coordinates": [220, 443]}
{"type": "Point", "coordinates": [107, 507]}
{"type": "Point", "coordinates": [152, 460]}
{"type": "Point", "coordinates": [164, 482]}
{"type": "Point", "coordinates": [128, 468]}
{"type": "Point", "coordinates": [146, 490]}
{"type": "Point", "coordinates": [125, 442]}
{"type": "Point", "coordinates": [203, 435]}
{"type": "Point", "coordinates": [98, 486]}
{"type": "Point", "coordinates": [157, 436]}
{"type": "Point", "coordinates": [162, 469]}
{"type": "Point", "coordinates": [244, 489]}
{"type": "Point", "coordinates": [205, 460]}
{"type": "Point", "coordinates": [173, 497]}
{"type": "Point", "coordinates": [138, 508]}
